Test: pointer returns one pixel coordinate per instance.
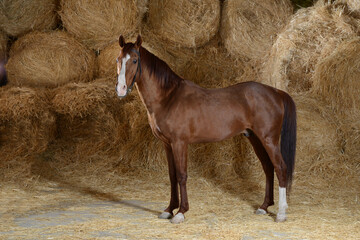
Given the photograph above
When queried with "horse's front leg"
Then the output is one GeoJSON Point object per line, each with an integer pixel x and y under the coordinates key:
{"type": "Point", "coordinates": [174, 199]}
{"type": "Point", "coordinates": [180, 160]}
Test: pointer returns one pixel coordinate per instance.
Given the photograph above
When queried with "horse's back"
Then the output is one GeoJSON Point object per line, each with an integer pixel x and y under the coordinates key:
{"type": "Point", "coordinates": [216, 114]}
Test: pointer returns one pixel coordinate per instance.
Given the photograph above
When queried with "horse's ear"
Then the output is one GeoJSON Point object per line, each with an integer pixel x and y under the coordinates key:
{"type": "Point", "coordinates": [121, 41]}
{"type": "Point", "coordinates": [138, 41]}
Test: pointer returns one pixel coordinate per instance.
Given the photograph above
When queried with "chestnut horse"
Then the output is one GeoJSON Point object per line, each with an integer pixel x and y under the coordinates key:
{"type": "Point", "coordinates": [181, 112]}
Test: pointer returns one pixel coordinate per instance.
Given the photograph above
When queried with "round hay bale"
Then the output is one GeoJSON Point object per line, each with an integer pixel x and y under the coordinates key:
{"type": "Point", "coordinates": [49, 60]}
{"type": "Point", "coordinates": [249, 27]}
{"type": "Point", "coordinates": [98, 23]}
{"type": "Point", "coordinates": [18, 17]}
{"type": "Point", "coordinates": [27, 125]}
{"type": "Point", "coordinates": [184, 23]}
{"type": "Point", "coordinates": [336, 77]}
{"type": "Point", "coordinates": [297, 49]}
{"type": "Point", "coordinates": [89, 114]}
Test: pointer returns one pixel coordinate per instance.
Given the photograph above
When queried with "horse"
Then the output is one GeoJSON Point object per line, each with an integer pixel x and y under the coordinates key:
{"type": "Point", "coordinates": [181, 113]}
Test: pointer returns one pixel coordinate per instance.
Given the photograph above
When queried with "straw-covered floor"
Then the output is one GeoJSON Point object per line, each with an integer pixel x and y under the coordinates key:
{"type": "Point", "coordinates": [77, 162]}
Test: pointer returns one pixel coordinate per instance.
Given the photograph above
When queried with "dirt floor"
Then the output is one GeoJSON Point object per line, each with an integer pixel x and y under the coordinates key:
{"type": "Point", "coordinates": [75, 208]}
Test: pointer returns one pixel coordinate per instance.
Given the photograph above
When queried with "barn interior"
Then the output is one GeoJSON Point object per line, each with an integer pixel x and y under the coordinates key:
{"type": "Point", "coordinates": [77, 162]}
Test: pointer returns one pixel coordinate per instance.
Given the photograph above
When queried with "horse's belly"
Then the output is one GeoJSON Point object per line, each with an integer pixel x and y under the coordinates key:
{"type": "Point", "coordinates": [217, 132]}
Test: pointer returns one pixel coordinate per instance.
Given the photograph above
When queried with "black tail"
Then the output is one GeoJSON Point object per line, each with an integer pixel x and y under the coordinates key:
{"type": "Point", "coordinates": [3, 78]}
{"type": "Point", "coordinates": [288, 138]}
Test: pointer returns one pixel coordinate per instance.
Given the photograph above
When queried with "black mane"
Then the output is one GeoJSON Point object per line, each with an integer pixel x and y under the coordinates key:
{"type": "Point", "coordinates": [154, 65]}
{"type": "Point", "coordinates": [166, 76]}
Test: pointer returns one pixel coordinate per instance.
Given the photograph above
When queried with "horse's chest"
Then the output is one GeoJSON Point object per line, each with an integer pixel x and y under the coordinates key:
{"type": "Point", "coordinates": [154, 126]}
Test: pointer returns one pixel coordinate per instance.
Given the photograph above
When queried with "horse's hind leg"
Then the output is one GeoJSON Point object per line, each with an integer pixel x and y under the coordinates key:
{"type": "Point", "coordinates": [271, 145]}
{"type": "Point", "coordinates": [269, 172]}
{"type": "Point", "coordinates": [174, 199]}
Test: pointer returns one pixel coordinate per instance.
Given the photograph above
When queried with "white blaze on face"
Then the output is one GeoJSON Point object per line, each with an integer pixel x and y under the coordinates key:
{"type": "Point", "coordinates": [121, 87]}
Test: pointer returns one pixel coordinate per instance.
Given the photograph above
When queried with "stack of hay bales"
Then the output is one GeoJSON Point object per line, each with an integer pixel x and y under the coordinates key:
{"type": "Point", "coordinates": [49, 60]}
{"type": "Point", "coordinates": [315, 59]}
{"type": "Point", "coordinates": [249, 27]}
{"type": "Point", "coordinates": [27, 125]}
{"type": "Point", "coordinates": [312, 33]}
{"type": "Point", "coordinates": [96, 24]}
{"type": "Point", "coordinates": [59, 78]}
{"type": "Point", "coordinates": [18, 17]}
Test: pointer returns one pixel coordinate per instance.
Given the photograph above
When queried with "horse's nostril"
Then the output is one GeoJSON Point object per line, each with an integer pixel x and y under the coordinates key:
{"type": "Point", "coordinates": [124, 87]}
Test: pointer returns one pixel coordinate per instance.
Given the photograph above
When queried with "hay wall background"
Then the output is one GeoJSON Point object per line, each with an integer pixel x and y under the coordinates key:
{"type": "Point", "coordinates": [18, 17]}
{"type": "Point", "coordinates": [74, 122]}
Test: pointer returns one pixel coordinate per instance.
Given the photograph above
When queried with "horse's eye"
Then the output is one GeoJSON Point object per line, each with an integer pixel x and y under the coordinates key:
{"type": "Point", "coordinates": [117, 60]}
{"type": "Point", "coordinates": [134, 61]}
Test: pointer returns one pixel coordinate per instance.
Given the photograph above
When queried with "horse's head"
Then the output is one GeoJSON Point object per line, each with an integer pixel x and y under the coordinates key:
{"type": "Point", "coordinates": [128, 66]}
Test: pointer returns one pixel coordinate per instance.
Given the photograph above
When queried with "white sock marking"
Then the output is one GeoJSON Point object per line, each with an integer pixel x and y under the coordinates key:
{"type": "Point", "coordinates": [282, 200]}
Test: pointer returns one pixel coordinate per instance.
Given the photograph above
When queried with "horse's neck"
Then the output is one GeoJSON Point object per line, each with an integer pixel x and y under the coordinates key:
{"type": "Point", "coordinates": [150, 92]}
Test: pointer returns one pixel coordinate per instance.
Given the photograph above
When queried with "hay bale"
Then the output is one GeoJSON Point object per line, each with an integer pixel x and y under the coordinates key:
{"type": "Point", "coordinates": [96, 24]}
{"type": "Point", "coordinates": [49, 60]}
{"type": "Point", "coordinates": [249, 28]}
{"type": "Point", "coordinates": [27, 125]}
{"type": "Point", "coordinates": [320, 154]}
{"type": "Point", "coordinates": [297, 49]}
{"type": "Point", "coordinates": [90, 116]}
{"type": "Point", "coordinates": [336, 77]}
{"type": "Point", "coordinates": [18, 17]}
{"type": "Point", "coordinates": [184, 23]}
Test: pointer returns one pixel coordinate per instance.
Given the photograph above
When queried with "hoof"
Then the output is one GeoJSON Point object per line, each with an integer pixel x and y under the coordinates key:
{"type": "Point", "coordinates": [165, 215]}
{"type": "Point", "coordinates": [260, 211]}
{"type": "Point", "coordinates": [280, 217]}
{"type": "Point", "coordinates": [179, 218]}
